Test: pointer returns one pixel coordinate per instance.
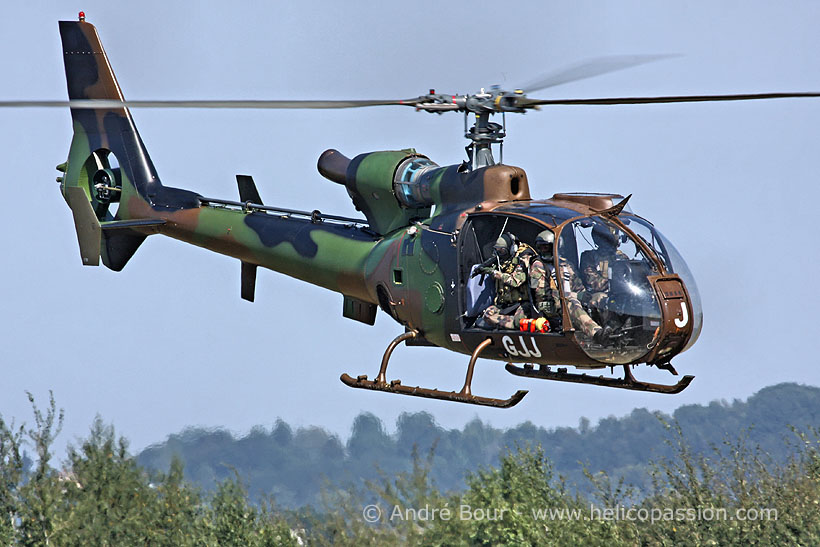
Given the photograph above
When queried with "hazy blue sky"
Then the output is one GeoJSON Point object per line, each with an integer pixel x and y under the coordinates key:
{"type": "Point", "coordinates": [168, 343]}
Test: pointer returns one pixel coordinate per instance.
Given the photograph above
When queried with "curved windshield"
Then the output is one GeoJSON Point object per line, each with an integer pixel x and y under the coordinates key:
{"type": "Point", "coordinates": [674, 263]}
{"type": "Point", "coordinates": [611, 303]}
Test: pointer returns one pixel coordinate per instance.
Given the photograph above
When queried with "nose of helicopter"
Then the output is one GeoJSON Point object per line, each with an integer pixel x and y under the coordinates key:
{"type": "Point", "coordinates": [635, 300]}
{"type": "Point", "coordinates": [677, 319]}
{"type": "Point", "coordinates": [686, 311]}
{"type": "Point", "coordinates": [649, 323]}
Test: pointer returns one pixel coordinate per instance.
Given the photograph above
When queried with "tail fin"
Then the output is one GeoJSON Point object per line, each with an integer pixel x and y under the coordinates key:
{"type": "Point", "coordinates": [107, 160]}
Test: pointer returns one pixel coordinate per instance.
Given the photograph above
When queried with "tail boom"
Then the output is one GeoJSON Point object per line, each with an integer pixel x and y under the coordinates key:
{"type": "Point", "coordinates": [325, 254]}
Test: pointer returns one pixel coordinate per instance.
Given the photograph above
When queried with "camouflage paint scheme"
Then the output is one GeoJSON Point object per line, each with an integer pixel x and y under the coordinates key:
{"type": "Point", "coordinates": [328, 255]}
{"type": "Point", "coordinates": [405, 260]}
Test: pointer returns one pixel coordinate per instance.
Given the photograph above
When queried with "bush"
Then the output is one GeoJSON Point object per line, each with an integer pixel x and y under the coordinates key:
{"type": "Point", "coordinates": [734, 494]}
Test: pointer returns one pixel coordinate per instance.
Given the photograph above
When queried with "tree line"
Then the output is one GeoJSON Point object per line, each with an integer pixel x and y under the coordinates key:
{"type": "Point", "coordinates": [292, 465]}
{"type": "Point", "coordinates": [732, 494]}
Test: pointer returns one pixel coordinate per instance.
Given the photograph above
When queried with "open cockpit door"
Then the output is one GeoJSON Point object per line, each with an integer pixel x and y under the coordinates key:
{"type": "Point", "coordinates": [478, 236]}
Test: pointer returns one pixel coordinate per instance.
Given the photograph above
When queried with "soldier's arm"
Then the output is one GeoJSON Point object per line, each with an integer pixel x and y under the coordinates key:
{"type": "Point", "coordinates": [576, 284]}
{"type": "Point", "coordinates": [538, 275]}
{"type": "Point", "coordinates": [572, 283]}
{"type": "Point", "coordinates": [591, 277]}
{"type": "Point", "coordinates": [544, 290]}
{"type": "Point", "coordinates": [514, 279]}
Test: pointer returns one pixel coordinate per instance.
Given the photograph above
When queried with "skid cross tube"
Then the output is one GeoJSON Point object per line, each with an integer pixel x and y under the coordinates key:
{"type": "Point", "coordinates": [627, 382]}
{"type": "Point", "coordinates": [380, 383]}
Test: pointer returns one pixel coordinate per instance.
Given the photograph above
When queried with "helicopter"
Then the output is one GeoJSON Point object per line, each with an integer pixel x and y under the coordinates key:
{"type": "Point", "coordinates": [425, 227]}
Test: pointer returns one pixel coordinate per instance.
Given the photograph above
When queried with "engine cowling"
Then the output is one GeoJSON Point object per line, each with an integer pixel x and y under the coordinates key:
{"type": "Point", "coordinates": [394, 188]}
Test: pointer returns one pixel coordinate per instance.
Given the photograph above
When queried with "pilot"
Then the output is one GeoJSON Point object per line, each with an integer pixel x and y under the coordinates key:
{"type": "Point", "coordinates": [510, 275]}
{"type": "Point", "coordinates": [596, 265]}
{"type": "Point", "coordinates": [543, 287]}
{"type": "Point", "coordinates": [546, 297]}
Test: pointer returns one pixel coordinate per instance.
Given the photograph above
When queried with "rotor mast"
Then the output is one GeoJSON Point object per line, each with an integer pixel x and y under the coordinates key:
{"type": "Point", "coordinates": [483, 133]}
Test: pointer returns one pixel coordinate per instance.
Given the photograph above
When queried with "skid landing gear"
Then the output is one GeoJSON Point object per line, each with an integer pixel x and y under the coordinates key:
{"type": "Point", "coordinates": [627, 382]}
{"type": "Point", "coordinates": [380, 383]}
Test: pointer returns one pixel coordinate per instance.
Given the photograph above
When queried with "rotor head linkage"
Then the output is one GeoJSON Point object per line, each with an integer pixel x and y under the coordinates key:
{"type": "Point", "coordinates": [483, 132]}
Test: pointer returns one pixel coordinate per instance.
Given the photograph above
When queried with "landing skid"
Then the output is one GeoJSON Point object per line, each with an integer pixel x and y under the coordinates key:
{"type": "Point", "coordinates": [380, 383]}
{"type": "Point", "coordinates": [627, 382]}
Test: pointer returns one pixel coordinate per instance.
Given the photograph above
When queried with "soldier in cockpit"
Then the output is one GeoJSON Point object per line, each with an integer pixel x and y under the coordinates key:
{"type": "Point", "coordinates": [510, 275]}
{"type": "Point", "coordinates": [596, 266]}
{"type": "Point", "coordinates": [546, 296]}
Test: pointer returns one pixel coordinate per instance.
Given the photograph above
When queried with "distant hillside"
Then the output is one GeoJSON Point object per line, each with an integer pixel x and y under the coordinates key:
{"type": "Point", "coordinates": [292, 465]}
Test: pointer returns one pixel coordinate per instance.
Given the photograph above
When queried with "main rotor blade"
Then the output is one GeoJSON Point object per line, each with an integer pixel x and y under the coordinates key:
{"type": "Point", "coordinates": [588, 69]}
{"type": "Point", "coordinates": [526, 102]}
{"type": "Point", "coordinates": [255, 104]}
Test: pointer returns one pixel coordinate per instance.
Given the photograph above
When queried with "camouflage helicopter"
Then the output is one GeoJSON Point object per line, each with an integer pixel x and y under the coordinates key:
{"type": "Point", "coordinates": [426, 229]}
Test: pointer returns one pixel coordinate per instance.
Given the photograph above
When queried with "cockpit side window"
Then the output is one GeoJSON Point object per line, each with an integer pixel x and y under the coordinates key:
{"type": "Point", "coordinates": [673, 263]}
{"type": "Point", "coordinates": [484, 230]}
{"type": "Point", "coordinates": [478, 237]}
{"type": "Point", "coordinates": [650, 237]}
{"type": "Point", "coordinates": [583, 238]}
{"type": "Point", "coordinates": [605, 283]}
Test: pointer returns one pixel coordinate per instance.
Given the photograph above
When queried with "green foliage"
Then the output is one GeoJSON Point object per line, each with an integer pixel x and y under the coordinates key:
{"type": "Point", "coordinates": [742, 496]}
{"type": "Point", "coordinates": [102, 497]}
{"type": "Point", "coordinates": [374, 515]}
{"type": "Point", "coordinates": [179, 509]}
{"type": "Point", "coordinates": [11, 477]}
{"type": "Point", "coordinates": [101, 486]}
{"type": "Point", "coordinates": [233, 520]}
{"type": "Point", "coordinates": [735, 499]}
{"type": "Point", "coordinates": [40, 493]}
{"type": "Point", "coordinates": [292, 464]}
{"type": "Point", "coordinates": [523, 502]}
{"type": "Point", "coordinates": [734, 493]}
{"type": "Point", "coordinates": [736, 496]}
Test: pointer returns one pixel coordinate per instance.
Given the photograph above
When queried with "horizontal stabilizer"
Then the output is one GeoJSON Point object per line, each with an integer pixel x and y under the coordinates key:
{"type": "Point", "coordinates": [353, 308]}
{"type": "Point", "coordinates": [247, 190]}
{"type": "Point", "coordinates": [86, 224]}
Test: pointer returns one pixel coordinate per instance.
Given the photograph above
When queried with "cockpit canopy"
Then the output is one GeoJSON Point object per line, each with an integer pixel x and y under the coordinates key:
{"type": "Point", "coordinates": [672, 262]}
{"type": "Point", "coordinates": [614, 266]}
{"type": "Point", "coordinates": [606, 270]}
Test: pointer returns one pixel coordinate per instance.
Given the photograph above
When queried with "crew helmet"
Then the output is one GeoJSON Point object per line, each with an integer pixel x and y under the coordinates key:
{"type": "Point", "coordinates": [504, 244]}
{"type": "Point", "coordinates": [544, 242]}
{"type": "Point", "coordinates": [603, 236]}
